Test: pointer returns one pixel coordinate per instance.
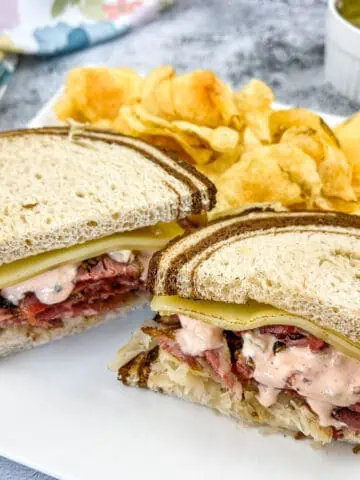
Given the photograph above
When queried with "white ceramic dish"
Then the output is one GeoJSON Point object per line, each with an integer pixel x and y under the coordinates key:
{"type": "Point", "coordinates": [63, 413]}
{"type": "Point", "coordinates": [342, 59]}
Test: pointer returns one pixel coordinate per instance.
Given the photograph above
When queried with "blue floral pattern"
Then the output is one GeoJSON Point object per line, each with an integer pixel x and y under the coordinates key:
{"type": "Point", "coordinates": [61, 38]}
{"type": "Point", "coordinates": [105, 22]}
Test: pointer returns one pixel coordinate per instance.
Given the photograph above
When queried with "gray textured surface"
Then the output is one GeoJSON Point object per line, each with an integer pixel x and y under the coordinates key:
{"type": "Point", "coordinates": [279, 41]}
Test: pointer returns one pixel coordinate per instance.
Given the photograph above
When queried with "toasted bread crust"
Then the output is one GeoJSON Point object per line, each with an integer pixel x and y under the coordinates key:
{"type": "Point", "coordinates": [179, 190]}
{"type": "Point", "coordinates": [305, 263]}
{"type": "Point", "coordinates": [156, 258]}
{"type": "Point", "coordinates": [247, 222]}
{"type": "Point", "coordinates": [113, 137]}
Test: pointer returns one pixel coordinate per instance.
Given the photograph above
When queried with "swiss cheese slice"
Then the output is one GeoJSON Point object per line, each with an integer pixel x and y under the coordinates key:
{"type": "Point", "coordinates": [231, 316]}
{"type": "Point", "coordinates": [150, 238]}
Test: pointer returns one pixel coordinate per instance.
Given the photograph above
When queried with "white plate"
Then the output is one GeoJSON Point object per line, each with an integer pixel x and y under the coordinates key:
{"type": "Point", "coordinates": [63, 413]}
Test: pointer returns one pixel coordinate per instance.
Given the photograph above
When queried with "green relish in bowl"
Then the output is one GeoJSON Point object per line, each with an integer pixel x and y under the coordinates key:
{"type": "Point", "coordinates": [350, 10]}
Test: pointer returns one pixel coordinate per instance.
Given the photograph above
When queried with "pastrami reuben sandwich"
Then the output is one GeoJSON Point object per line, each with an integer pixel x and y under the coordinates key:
{"type": "Point", "coordinates": [259, 318]}
{"type": "Point", "coordinates": [81, 213]}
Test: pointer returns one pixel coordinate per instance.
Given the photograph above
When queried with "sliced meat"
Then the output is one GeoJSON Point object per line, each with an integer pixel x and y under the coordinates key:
{"type": "Point", "coordinates": [280, 331]}
{"type": "Point", "coordinates": [7, 317]}
{"type": "Point", "coordinates": [294, 337]}
{"type": "Point", "coordinates": [100, 306]}
{"type": "Point", "coordinates": [217, 360]}
{"type": "Point", "coordinates": [83, 303]}
{"type": "Point", "coordinates": [98, 280]}
{"type": "Point", "coordinates": [5, 304]}
{"type": "Point", "coordinates": [172, 347]}
{"type": "Point", "coordinates": [315, 344]}
{"type": "Point", "coordinates": [240, 366]}
{"type": "Point", "coordinates": [103, 267]}
{"type": "Point", "coordinates": [337, 434]}
{"type": "Point", "coordinates": [355, 407]}
{"type": "Point", "coordinates": [104, 288]}
{"type": "Point", "coordinates": [165, 336]}
{"type": "Point", "coordinates": [235, 343]}
{"type": "Point", "coordinates": [221, 366]}
{"type": "Point", "coordinates": [244, 370]}
{"type": "Point", "coordinates": [349, 417]}
{"type": "Point", "coordinates": [54, 317]}
{"type": "Point", "coordinates": [29, 309]}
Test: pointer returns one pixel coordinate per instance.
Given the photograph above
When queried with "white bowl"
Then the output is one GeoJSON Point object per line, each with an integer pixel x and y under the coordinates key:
{"type": "Point", "coordinates": [342, 60]}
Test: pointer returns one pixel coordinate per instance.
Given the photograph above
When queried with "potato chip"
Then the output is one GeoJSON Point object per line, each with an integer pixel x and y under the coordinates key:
{"type": "Point", "coordinates": [66, 110]}
{"type": "Point", "coordinates": [103, 124]}
{"type": "Point", "coordinates": [348, 134]}
{"type": "Point", "coordinates": [254, 101]}
{"type": "Point", "coordinates": [168, 144]}
{"type": "Point", "coordinates": [255, 95]}
{"type": "Point", "coordinates": [342, 206]}
{"type": "Point", "coordinates": [307, 139]}
{"type": "Point", "coordinates": [93, 94]}
{"type": "Point", "coordinates": [272, 173]}
{"type": "Point", "coordinates": [156, 91]}
{"type": "Point", "coordinates": [222, 205]}
{"type": "Point", "coordinates": [120, 124]}
{"type": "Point", "coordinates": [350, 126]}
{"type": "Point", "coordinates": [149, 119]}
{"type": "Point", "coordinates": [251, 152]}
{"type": "Point", "coordinates": [222, 162]}
{"type": "Point", "coordinates": [250, 140]}
{"type": "Point", "coordinates": [220, 139]}
{"type": "Point", "coordinates": [238, 123]}
{"type": "Point", "coordinates": [334, 170]}
{"type": "Point", "coordinates": [190, 143]}
{"type": "Point", "coordinates": [137, 120]}
{"type": "Point", "coordinates": [198, 97]}
{"type": "Point", "coordinates": [133, 124]}
{"type": "Point", "coordinates": [227, 210]}
{"type": "Point", "coordinates": [281, 120]}
{"type": "Point", "coordinates": [335, 173]}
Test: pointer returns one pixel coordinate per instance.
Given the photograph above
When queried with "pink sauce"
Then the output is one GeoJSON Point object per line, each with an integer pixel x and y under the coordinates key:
{"type": "Point", "coordinates": [144, 258]}
{"type": "Point", "coordinates": [195, 337]}
{"type": "Point", "coordinates": [50, 287]}
{"type": "Point", "coordinates": [326, 379]}
{"type": "Point", "coordinates": [122, 256]}
{"type": "Point", "coordinates": [56, 285]}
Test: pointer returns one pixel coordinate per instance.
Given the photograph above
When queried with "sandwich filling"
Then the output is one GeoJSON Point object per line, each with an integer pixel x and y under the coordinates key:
{"type": "Point", "coordinates": [96, 285]}
{"type": "Point", "coordinates": [87, 279]}
{"type": "Point", "coordinates": [274, 359]}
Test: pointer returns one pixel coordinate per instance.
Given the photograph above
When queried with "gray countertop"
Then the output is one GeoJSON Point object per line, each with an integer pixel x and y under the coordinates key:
{"type": "Point", "coordinates": [279, 41]}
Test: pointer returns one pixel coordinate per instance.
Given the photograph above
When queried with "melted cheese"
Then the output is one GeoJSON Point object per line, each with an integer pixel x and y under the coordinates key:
{"type": "Point", "coordinates": [149, 239]}
{"type": "Point", "coordinates": [230, 316]}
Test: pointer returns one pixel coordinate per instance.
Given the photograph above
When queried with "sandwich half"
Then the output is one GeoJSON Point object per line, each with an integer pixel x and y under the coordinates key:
{"type": "Point", "coordinates": [81, 213]}
{"type": "Point", "coordinates": [258, 317]}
